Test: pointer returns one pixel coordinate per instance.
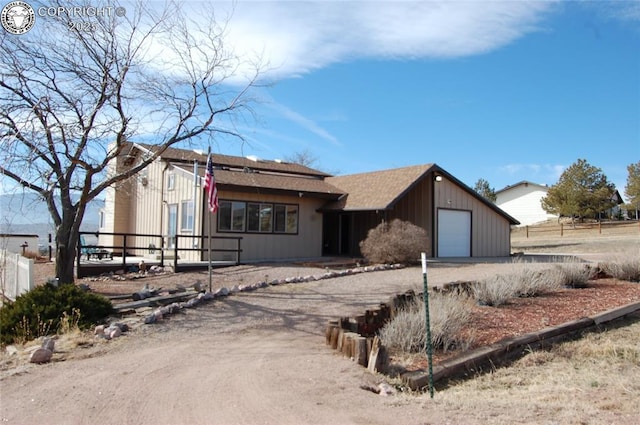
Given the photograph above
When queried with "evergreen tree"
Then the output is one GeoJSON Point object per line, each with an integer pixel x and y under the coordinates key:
{"type": "Point", "coordinates": [632, 188]}
{"type": "Point", "coordinates": [483, 188]}
{"type": "Point", "coordinates": [582, 191]}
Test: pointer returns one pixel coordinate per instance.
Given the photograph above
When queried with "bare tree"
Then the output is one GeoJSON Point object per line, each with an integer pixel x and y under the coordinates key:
{"type": "Point", "coordinates": [72, 96]}
{"type": "Point", "coordinates": [304, 157]}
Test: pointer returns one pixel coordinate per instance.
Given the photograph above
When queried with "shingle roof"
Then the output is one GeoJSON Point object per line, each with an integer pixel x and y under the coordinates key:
{"type": "Point", "coordinates": [184, 155]}
{"type": "Point", "coordinates": [378, 190]}
{"type": "Point", "coordinates": [262, 182]}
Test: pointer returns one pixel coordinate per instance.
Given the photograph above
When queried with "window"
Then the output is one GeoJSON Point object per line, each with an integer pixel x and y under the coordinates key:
{"type": "Point", "coordinates": [171, 181]}
{"type": "Point", "coordinates": [259, 217]}
{"type": "Point", "coordinates": [238, 216]}
{"type": "Point", "coordinates": [101, 218]}
{"type": "Point", "coordinates": [172, 223]}
{"type": "Point", "coordinates": [286, 219]}
{"type": "Point", "coordinates": [231, 216]}
{"type": "Point", "coordinates": [186, 222]}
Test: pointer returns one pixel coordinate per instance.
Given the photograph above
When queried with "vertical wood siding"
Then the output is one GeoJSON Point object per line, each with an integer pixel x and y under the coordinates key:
{"type": "Point", "coordinates": [490, 232]}
{"type": "Point", "coordinates": [269, 246]}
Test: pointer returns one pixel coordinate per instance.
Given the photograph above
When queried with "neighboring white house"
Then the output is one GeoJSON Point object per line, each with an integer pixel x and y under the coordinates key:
{"type": "Point", "coordinates": [522, 202]}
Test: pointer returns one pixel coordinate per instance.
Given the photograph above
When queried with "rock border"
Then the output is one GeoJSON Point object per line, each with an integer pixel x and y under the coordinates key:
{"type": "Point", "coordinates": [194, 299]}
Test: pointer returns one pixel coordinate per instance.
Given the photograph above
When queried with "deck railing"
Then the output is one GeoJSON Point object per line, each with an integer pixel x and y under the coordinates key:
{"type": "Point", "coordinates": [132, 244]}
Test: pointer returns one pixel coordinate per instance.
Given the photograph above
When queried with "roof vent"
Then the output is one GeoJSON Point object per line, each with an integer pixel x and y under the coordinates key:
{"type": "Point", "coordinates": [253, 158]}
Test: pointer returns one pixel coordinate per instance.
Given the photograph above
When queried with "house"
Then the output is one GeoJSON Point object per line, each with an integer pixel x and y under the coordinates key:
{"type": "Point", "coordinates": [522, 201]}
{"type": "Point", "coordinates": [278, 211]}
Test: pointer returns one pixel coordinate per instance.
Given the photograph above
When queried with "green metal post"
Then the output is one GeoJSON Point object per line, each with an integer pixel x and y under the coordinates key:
{"type": "Point", "coordinates": [425, 295]}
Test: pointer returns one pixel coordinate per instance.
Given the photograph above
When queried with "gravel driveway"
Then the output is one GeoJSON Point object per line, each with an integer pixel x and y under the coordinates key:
{"type": "Point", "coordinates": [252, 358]}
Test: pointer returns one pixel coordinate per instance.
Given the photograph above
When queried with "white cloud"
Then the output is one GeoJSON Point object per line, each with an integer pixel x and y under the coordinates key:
{"type": "Point", "coordinates": [304, 122]}
{"type": "Point", "coordinates": [298, 37]}
{"type": "Point", "coordinates": [535, 173]}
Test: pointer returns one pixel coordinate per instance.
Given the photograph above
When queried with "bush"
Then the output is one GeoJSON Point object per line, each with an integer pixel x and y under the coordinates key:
{"type": "Point", "coordinates": [527, 282]}
{"type": "Point", "coordinates": [623, 268]}
{"type": "Point", "coordinates": [406, 332]}
{"type": "Point", "coordinates": [574, 274]}
{"type": "Point", "coordinates": [37, 312]}
{"type": "Point", "coordinates": [395, 242]}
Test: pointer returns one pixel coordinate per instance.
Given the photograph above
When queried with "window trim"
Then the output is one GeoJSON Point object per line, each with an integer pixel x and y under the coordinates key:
{"type": "Point", "coordinates": [289, 207]}
{"type": "Point", "coordinates": [183, 215]}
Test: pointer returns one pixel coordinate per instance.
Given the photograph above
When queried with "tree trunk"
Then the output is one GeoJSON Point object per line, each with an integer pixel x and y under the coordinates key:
{"type": "Point", "coordinates": [67, 236]}
{"type": "Point", "coordinates": [65, 255]}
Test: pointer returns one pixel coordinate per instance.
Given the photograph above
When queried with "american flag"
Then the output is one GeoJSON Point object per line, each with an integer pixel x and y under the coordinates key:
{"type": "Point", "coordinates": [210, 186]}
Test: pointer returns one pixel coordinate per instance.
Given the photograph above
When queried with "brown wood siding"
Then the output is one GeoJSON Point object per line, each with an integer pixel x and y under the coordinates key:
{"type": "Point", "coordinates": [415, 207]}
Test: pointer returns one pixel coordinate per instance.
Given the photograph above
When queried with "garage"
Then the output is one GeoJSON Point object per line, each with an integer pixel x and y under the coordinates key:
{"type": "Point", "coordinates": [454, 233]}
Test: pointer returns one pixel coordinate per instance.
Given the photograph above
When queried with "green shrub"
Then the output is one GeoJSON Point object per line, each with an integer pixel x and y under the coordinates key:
{"type": "Point", "coordinates": [395, 242]}
{"type": "Point", "coordinates": [406, 332]}
{"type": "Point", "coordinates": [37, 312]}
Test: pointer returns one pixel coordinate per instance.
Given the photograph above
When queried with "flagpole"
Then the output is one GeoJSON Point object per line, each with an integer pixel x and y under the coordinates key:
{"type": "Point", "coordinates": [209, 215]}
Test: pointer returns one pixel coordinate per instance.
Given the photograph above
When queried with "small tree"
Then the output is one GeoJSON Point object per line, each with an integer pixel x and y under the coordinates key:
{"type": "Point", "coordinates": [582, 191]}
{"type": "Point", "coordinates": [632, 188]}
{"type": "Point", "coordinates": [395, 242]}
{"type": "Point", "coordinates": [483, 188]}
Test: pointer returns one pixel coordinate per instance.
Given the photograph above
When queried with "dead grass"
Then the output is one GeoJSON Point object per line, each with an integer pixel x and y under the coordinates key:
{"type": "Point", "coordinates": [624, 267]}
{"type": "Point", "coordinates": [406, 332]}
{"type": "Point", "coordinates": [592, 380]}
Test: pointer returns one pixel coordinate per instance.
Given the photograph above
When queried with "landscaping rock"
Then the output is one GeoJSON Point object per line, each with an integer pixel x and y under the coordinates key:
{"type": "Point", "coordinates": [41, 355]}
{"type": "Point", "coordinates": [222, 292]}
{"type": "Point", "coordinates": [48, 344]}
{"type": "Point", "coordinates": [386, 389]}
{"type": "Point", "coordinates": [114, 332]}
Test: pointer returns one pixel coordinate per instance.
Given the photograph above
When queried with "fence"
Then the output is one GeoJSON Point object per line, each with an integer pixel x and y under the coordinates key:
{"type": "Point", "coordinates": [16, 274]}
{"type": "Point", "coordinates": [580, 229]}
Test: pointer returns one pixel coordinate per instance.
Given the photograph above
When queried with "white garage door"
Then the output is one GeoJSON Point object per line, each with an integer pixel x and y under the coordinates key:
{"type": "Point", "coordinates": [454, 233]}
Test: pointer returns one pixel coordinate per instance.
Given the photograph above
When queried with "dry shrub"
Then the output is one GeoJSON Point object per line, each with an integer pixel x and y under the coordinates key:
{"type": "Point", "coordinates": [526, 282]}
{"type": "Point", "coordinates": [623, 268]}
{"type": "Point", "coordinates": [395, 242]}
{"type": "Point", "coordinates": [448, 314]}
{"type": "Point", "coordinates": [575, 274]}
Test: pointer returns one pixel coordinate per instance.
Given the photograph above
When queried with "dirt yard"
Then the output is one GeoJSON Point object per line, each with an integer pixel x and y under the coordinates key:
{"type": "Point", "coordinates": [260, 358]}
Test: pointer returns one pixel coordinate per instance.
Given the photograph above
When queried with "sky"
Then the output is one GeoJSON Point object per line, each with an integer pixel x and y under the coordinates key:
{"type": "Point", "coordinates": [503, 91]}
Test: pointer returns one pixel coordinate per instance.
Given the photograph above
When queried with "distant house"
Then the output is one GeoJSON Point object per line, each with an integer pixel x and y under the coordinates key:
{"type": "Point", "coordinates": [522, 201]}
{"type": "Point", "coordinates": [616, 211]}
{"type": "Point", "coordinates": [285, 211]}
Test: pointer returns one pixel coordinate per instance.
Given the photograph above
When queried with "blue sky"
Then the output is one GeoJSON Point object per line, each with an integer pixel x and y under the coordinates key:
{"type": "Point", "coordinates": [505, 91]}
{"type": "Point", "coordinates": [500, 90]}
